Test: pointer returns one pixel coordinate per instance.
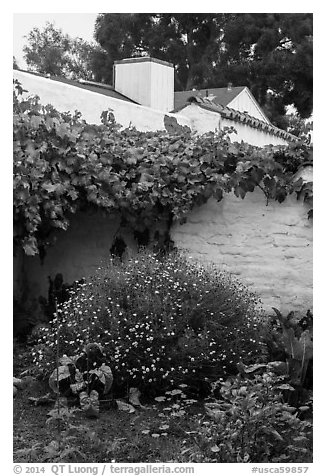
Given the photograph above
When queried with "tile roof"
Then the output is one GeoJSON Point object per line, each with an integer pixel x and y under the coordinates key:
{"type": "Point", "coordinates": [99, 88]}
{"type": "Point", "coordinates": [223, 96]}
{"type": "Point", "coordinates": [233, 115]}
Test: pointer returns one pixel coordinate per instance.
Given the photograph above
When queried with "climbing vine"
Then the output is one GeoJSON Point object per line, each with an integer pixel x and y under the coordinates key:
{"type": "Point", "coordinates": [62, 164]}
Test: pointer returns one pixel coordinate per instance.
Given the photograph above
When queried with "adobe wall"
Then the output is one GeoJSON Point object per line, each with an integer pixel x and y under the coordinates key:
{"type": "Point", "coordinates": [252, 136]}
{"type": "Point", "coordinates": [269, 248]}
{"type": "Point", "coordinates": [202, 121]}
{"type": "Point", "coordinates": [77, 253]}
{"type": "Point", "coordinates": [65, 97]}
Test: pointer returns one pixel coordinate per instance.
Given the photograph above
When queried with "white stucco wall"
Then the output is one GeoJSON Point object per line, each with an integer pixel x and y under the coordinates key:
{"type": "Point", "coordinates": [65, 97]}
{"type": "Point", "coordinates": [200, 119]}
{"type": "Point", "coordinates": [203, 121]}
{"type": "Point", "coordinates": [269, 248]}
{"type": "Point", "coordinates": [252, 136]}
{"type": "Point", "coordinates": [306, 174]}
{"type": "Point", "coordinates": [77, 253]}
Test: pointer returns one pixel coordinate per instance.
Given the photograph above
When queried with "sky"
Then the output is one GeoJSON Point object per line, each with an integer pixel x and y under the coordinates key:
{"type": "Point", "coordinates": [74, 24]}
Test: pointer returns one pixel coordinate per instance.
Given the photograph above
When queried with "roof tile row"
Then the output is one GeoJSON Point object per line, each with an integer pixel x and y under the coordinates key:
{"type": "Point", "coordinates": [233, 115]}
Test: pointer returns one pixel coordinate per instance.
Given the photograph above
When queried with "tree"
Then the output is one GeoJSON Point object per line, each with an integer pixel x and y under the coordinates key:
{"type": "Point", "coordinates": [50, 51]}
{"type": "Point", "coordinates": [46, 51]}
{"type": "Point", "coordinates": [302, 128]}
{"type": "Point", "coordinates": [272, 54]}
{"type": "Point", "coordinates": [192, 42]}
{"type": "Point", "coordinates": [101, 66]}
{"type": "Point", "coordinates": [269, 53]}
{"type": "Point", "coordinates": [82, 57]}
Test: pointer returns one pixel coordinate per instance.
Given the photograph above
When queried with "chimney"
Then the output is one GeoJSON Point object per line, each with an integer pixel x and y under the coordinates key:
{"type": "Point", "coordinates": [147, 81]}
{"type": "Point", "coordinates": [229, 86]}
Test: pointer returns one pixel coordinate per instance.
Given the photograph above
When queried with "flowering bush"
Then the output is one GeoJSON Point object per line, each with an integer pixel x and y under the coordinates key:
{"type": "Point", "coordinates": [159, 321]}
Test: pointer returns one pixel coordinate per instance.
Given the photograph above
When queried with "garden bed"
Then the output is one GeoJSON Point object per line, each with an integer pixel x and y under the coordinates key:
{"type": "Point", "coordinates": [244, 427]}
{"type": "Point", "coordinates": [116, 436]}
{"type": "Point", "coordinates": [218, 380]}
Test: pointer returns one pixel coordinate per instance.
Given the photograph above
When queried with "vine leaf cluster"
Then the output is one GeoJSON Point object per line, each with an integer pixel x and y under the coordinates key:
{"type": "Point", "coordinates": [63, 164]}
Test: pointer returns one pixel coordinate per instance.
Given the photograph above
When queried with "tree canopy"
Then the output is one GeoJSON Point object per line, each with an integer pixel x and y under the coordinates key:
{"type": "Point", "coordinates": [50, 51]}
{"type": "Point", "coordinates": [272, 54]}
{"type": "Point", "coordinates": [192, 42]}
{"type": "Point", "coordinates": [269, 53]}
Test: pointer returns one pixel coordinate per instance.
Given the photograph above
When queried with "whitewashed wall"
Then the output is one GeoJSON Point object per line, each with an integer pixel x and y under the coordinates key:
{"type": "Point", "coordinates": [250, 135]}
{"type": "Point", "coordinates": [203, 121]}
{"type": "Point", "coordinates": [268, 247]}
{"type": "Point", "coordinates": [65, 97]}
{"type": "Point", "coordinates": [77, 253]}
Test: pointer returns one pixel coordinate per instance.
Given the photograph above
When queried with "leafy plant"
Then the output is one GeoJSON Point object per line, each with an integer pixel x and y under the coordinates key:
{"type": "Point", "coordinates": [160, 322]}
{"type": "Point", "coordinates": [62, 164]}
{"type": "Point", "coordinates": [289, 340]}
{"type": "Point", "coordinates": [250, 423]}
